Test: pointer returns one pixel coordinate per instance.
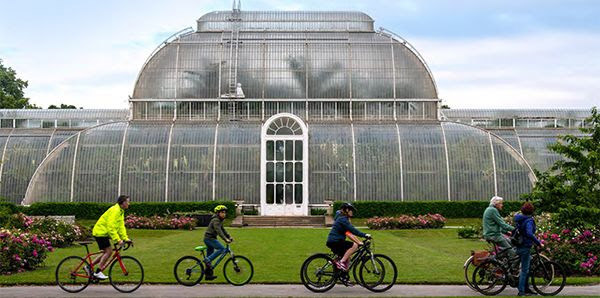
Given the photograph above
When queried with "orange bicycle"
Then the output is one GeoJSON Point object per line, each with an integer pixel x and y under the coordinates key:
{"type": "Point", "coordinates": [125, 273]}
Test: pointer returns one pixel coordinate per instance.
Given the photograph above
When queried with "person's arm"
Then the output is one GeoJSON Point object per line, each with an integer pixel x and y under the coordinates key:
{"type": "Point", "coordinates": [500, 221]}
{"type": "Point", "coordinates": [353, 238]}
{"type": "Point", "coordinates": [113, 224]}
{"type": "Point", "coordinates": [218, 225]}
{"type": "Point", "coordinates": [348, 226]}
{"type": "Point", "coordinates": [529, 232]}
{"type": "Point", "coordinates": [224, 231]}
{"type": "Point", "coordinates": [122, 230]}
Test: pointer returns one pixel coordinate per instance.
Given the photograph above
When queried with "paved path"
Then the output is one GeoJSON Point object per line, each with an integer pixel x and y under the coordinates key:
{"type": "Point", "coordinates": [257, 290]}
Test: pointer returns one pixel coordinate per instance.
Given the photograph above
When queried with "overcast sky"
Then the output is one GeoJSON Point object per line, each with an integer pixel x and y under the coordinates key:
{"type": "Point", "coordinates": [483, 54]}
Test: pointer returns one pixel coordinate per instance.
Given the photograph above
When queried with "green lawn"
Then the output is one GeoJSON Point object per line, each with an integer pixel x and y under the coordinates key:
{"type": "Point", "coordinates": [422, 256]}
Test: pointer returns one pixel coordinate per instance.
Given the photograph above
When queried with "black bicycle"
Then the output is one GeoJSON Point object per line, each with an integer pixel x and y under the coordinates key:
{"type": "Point", "coordinates": [376, 272]}
{"type": "Point", "coordinates": [493, 275]}
{"type": "Point", "coordinates": [238, 270]}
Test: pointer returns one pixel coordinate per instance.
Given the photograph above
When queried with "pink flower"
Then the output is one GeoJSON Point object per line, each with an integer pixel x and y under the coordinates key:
{"type": "Point", "coordinates": [566, 231]}
{"type": "Point", "coordinates": [35, 253]}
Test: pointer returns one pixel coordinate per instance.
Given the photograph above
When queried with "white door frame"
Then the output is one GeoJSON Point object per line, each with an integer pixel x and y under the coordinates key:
{"type": "Point", "coordinates": [283, 209]}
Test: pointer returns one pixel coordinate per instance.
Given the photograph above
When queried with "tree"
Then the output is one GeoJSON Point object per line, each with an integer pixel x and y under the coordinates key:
{"type": "Point", "coordinates": [62, 106]}
{"type": "Point", "coordinates": [571, 186]}
{"type": "Point", "coordinates": [11, 90]}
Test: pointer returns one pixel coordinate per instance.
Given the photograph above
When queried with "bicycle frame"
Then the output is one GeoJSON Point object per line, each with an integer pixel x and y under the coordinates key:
{"type": "Point", "coordinates": [116, 255]}
{"type": "Point", "coordinates": [360, 254]}
{"type": "Point", "coordinates": [220, 258]}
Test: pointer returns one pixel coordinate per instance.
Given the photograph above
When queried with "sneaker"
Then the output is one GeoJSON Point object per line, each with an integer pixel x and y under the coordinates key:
{"type": "Point", "coordinates": [100, 275]}
{"type": "Point", "coordinates": [339, 265]}
{"type": "Point", "coordinates": [210, 277]}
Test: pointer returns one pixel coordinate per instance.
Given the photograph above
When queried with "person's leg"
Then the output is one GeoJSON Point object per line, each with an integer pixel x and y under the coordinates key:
{"type": "Point", "coordinates": [217, 248]}
{"type": "Point", "coordinates": [209, 249]}
{"type": "Point", "coordinates": [349, 252]}
{"type": "Point", "coordinates": [524, 255]}
{"type": "Point", "coordinates": [101, 259]}
{"type": "Point", "coordinates": [504, 244]}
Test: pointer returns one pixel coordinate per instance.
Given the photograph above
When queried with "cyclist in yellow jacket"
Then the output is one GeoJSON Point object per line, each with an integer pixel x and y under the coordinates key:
{"type": "Point", "coordinates": [111, 225]}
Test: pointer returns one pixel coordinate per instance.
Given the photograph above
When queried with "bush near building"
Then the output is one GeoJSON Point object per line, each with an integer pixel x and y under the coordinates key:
{"type": "Point", "coordinates": [462, 209]}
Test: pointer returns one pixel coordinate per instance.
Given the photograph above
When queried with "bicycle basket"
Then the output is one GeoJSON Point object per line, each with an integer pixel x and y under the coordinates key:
{"type": "Point", "coordinates": [479, 256]}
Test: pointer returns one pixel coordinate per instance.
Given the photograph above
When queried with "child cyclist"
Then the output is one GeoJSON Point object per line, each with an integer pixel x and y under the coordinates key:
{"type": "Point", "coordinates": [214, 247]}
{"type": "Point", "coordinates": [341, 228]}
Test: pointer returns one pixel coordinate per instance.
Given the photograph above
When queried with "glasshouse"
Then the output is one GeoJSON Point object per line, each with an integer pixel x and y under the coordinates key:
{"type": "Point", "coordinates": [283, 111]}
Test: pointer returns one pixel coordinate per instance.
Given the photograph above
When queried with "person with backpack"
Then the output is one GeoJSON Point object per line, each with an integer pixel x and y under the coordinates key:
{"type": "Point", "coordinates": [214, 247]}
{"type": "Point", "coordinates": [342, 228]}
{"type": "Point", "coordinates": [525, 239]}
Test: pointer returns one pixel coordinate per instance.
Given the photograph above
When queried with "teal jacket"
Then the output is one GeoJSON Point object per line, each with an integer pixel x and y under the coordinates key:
{"type": "Point", "coordinates": [493, 224]}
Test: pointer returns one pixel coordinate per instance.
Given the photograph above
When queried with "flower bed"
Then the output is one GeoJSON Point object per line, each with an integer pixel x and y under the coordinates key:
{"type": "Point", "coordinates": [20, 251]}
{"type": "Point", "coordinates": [429, 221]}
{"type": "Point", "coordinates": [171, 222]}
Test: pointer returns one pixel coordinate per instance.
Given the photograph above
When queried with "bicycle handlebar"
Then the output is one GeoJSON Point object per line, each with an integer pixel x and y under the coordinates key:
{"type": "Point", "coordinates": [126, 245]}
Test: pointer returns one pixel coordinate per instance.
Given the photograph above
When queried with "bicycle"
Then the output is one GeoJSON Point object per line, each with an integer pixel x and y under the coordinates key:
{"type": "Point", "coordinates": [493, 275]}
{"type": "Point", "coordinates": [189, 270]}
{"type": "Point", "coordinates": [73, 274]}
{"type": "Point", "coordinates": [469, 265]}
{"type": "Point", "coordinates": [319, 274]}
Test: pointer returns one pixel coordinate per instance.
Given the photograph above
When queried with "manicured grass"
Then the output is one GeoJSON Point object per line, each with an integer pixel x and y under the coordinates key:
{"type": "Point", "coordinates": [422, 256]}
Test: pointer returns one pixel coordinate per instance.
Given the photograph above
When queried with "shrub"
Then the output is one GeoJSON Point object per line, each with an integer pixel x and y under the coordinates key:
{"type": "Point", "coordinates": [156, 222]}
{"type": "Point", "coordinates": [84, 210]}
{"type": "Point", "coordinates": [59, 233]}
{"type": "Point", "coordinates": [20, 251]}
{"type": "Point", "coordinates": [470, 232]}
{"type": "Point", "coordinates": [577, 251]}
{"type": "Point", "coordinates": [318, 211]}
{"type": "Point", "coordinates": [366, 209]}
{"type": "Point", "coordinates": [428, 221]}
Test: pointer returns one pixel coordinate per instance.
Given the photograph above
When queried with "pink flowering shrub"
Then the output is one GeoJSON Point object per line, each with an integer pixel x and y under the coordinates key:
{"type": "Point", "coordinates": [20, 251]}
{"type": "Point", "coordinates": [156, 222]}
{"type": "Point", "coordinates": [577, 251]}
{"type": "Point", "coordinates": [429, 221]}
{"type": "Point", "coordinates": [59, 233]}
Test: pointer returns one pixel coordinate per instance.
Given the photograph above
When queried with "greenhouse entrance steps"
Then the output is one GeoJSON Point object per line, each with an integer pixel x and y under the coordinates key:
{"type": "Point", "coordinates": [279, 221]}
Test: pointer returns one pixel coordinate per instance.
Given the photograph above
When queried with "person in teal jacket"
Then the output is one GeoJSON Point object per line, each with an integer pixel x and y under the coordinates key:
{"type": "Point", "coordinates": [111, 225]}
{"type": "Point", "coordinates": [494, 226]}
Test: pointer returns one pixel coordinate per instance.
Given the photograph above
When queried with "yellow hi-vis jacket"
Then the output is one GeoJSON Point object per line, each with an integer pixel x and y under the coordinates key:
{"type": "Point", "coordinates": [111, 224]}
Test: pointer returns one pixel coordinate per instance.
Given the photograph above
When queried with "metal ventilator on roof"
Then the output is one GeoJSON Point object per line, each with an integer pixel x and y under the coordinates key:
{"type": "Point", "coordinates": [235, 88]}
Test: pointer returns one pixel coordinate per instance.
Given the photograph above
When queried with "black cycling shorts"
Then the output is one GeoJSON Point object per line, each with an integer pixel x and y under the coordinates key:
{"type": "Point", "coordinates": [103, 242]}
{"type": "Point", "coordinates": [340, 247]}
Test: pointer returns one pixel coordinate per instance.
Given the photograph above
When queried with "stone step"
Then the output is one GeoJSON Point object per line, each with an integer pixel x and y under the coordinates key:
{"type": "Point", "coordinates": [256, 221]}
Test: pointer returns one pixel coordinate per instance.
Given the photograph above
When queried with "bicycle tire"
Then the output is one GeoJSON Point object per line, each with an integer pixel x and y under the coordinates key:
{"type": "Point", "coordinates": [234, 261]}
{"type": "Point", "coordinates": [394, 272]}
{"type": "Point", "coordinates": [557, 272]}
{"type": "Point", "coordinates": [468, 275]}
{"type": "Point", "coordinates": [188, 271]}
{"type": "Point", "coordinates": [493, 271]}
{"type": "Point", "coordinates": [137, 283]}
{"type": "Point", "coordinates": [327, 262]}
{"type": "Point", "coordinates": [63, 262]}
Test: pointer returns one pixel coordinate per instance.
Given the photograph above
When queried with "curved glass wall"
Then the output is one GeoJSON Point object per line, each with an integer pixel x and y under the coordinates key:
{"type": "Point", "coordinates": [21, 151]}
{"type": "Point", "coordinates": [300, 65]}
{"type": "Point", "coordinates": [392, 161]}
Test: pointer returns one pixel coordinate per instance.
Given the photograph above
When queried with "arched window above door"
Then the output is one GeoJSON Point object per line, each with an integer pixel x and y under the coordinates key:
{"type": "Point", "coordinates": [284, 126]}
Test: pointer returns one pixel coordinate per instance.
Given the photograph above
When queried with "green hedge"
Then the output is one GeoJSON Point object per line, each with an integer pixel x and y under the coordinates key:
{"type": "Point", "coordinates": [84, 210]}
{"type": "Point", "coordinates": [463, 209]}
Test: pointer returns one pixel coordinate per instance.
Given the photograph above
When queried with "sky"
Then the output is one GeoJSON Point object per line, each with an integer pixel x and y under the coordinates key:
{"type": "Point", "coordinates": [483, 54]}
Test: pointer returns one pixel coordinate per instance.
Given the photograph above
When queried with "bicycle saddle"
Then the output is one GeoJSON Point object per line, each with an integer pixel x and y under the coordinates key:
{"type": "Point", "coordinates": [84, 243]}
{"type": "Point", "coordinates": [200, 248]}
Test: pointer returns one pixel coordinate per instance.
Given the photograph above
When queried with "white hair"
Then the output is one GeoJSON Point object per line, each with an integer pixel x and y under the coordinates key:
{"type": "Point", "coordinates": [495, 200]}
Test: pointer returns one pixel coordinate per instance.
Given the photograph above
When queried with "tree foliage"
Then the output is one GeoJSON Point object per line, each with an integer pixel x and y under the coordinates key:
{"type": "Point", "coordinates": [12, 95]}
{"type": "Point", "coordinates": [62, 106]}
{"type": "Point", "coordinates": [571, 187]}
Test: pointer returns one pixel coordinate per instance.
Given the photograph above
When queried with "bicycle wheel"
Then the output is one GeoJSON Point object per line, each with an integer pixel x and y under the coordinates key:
{"type": "Point", "coordinates": [188, 271]}
{"type": "Point", "coordinates": [128, 274]}
{"type": "Point", "coordinates": [378, 274]}
{"type": "Point", "coordinates": [71, 274]}
{"type": "Point", "coordinates": [548, 278]}
{"type": "Point", "coordinates": [318, 274]}
{"type": "Point", "coordinates": [489, 278]}
{"type": "Point", "coordinates": [238, 270]}
{"type": "Point", "coordinates": [469, 268]}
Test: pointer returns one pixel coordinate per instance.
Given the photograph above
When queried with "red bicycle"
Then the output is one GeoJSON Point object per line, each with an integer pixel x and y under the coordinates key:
{"type": "Point", "coordinates": [125, 273]}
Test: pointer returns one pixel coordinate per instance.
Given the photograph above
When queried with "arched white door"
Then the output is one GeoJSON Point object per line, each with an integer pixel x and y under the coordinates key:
{"type": "Point", "coordinates": [284, 166]}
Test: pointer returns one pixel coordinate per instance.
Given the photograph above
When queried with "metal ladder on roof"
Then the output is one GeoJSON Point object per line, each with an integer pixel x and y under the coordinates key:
{"type": "Point", "coordinates": [234, 40]}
